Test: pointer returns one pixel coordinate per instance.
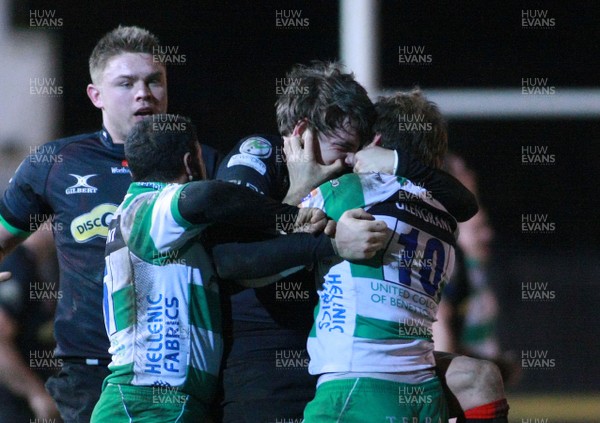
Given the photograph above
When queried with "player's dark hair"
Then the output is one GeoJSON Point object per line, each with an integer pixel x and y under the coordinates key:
{"type": "Point", "coordinates": [123, 39]}
{"type": "Point", "coordinates": [407, 120]}
{"type": "Point", "coordinates": [156, 145]}
{"type": "Point", "coordinates": [328, 97]}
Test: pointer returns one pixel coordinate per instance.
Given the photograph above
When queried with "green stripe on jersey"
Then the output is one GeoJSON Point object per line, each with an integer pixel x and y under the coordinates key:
{"type": "Point", "coordinates": [371, 328]}
{"type": "Point", "coordinates": [15, 231]}
{"type": "Point", "coordinates": [203, 303]}
{"type": "Point", "coordinates": [313, 328]}
{"type": "Point", "coordinates": [473, 334]}
{"type": "Point", "coordinates": [370, 269]}
{"type": "Point", "coordinates": [124, 307]}
{"type": "Point", "coordinates": [140, 241]}
{"type": "Point", "coordinates": [337, 201]}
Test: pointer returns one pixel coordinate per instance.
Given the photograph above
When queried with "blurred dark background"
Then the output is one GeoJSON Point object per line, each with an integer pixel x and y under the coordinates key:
{"type": "Point", "coordinates": [235, 52]}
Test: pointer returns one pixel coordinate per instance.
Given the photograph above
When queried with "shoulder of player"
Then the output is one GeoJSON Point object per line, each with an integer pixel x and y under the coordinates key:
{"type": "Point", "coordinates": [369, 179]}
{"type": "Point", "coordinates": [55, 147]}
{"type": "Point", "coordinates": [42, 158]}
{"type": "Point", "coordinates": [260, 146]}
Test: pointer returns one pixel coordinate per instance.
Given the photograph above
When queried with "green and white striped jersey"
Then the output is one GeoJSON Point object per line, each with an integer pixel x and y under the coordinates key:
{"type": "Point", "coordinates": [376, 315]}
{"type": "Point", "coordinates": [161, 299]}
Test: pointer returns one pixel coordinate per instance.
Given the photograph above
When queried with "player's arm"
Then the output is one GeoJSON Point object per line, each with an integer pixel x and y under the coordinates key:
{"type": "Point", "coordinates": [17, 376]}
{"type": "Point", "coordinates": [216, 201]}
{"type": "Point", "coordinates": [22, 204]}
{"type": "Point", "coordinates": [251, 260]}
{"type": "Point", "coordinates": [357, 237]}
{"type": "Point", "coordinates": [457, 199]}
{"type": "Point", "coordinates": [8, 242]}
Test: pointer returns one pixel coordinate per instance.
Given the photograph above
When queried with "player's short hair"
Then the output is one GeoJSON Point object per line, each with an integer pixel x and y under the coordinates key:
{"type": "Point", "coordinates": [407, 120]}
{"type": "Point", "coordinates": [156, 145]}
{"type": "Point", "coordinates": [123, 39]}
{"type": "Point", "coordinates": [328, 97]}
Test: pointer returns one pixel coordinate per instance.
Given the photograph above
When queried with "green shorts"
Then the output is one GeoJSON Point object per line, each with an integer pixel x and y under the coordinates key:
{"type": "Point", "coordinates": [147, 404]}
{"type": "Point", "coordinates": [363, 400]}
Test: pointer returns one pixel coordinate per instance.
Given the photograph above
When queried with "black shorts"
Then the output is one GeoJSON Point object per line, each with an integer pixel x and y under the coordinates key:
{"type": "Point", "coordinates": [263, 390]}
{"type": "Point", "coordinates": [76, 389]}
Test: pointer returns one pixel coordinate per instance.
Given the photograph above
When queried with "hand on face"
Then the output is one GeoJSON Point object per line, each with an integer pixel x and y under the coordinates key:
{"type": "Point", "coordinates": [373, 158]}
{"type": "Point", "coordinates": [305, 168]}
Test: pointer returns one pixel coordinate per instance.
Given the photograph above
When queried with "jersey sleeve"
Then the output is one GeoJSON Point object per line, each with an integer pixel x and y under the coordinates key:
{"type": "Point", "coordinates": [454, 196]}
{"type": "Point", "coordinates": [216, 201]}
{"type": "Point", "coordinates": [23, 203]}
{"type": "Point", "coordinates": [240, 260]}
{"type": "Point", "coordinates": [254, 163]}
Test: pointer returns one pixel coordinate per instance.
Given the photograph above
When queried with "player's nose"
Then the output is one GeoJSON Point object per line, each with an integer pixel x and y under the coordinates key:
{"type": "Point", "coordinates": [350, 159]}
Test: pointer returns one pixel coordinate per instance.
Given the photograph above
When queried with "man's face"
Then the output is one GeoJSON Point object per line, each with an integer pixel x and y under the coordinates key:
{"type": "Point", "coordinates": [132, 86]}
{"type": "Point", "coordinates": [337, 145]}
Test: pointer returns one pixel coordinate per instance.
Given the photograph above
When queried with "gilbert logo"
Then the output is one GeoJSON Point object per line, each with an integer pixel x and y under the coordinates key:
{"type": "Point", "coordinates": [82, 186]}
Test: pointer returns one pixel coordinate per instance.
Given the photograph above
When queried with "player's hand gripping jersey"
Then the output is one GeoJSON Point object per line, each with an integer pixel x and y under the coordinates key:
{"type": "Point", "coordinates": [376, 316]}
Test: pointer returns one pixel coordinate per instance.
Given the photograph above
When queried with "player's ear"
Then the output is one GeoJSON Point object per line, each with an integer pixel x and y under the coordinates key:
{"type": "Point", "coordinates": [300, 127]}
{"type": "Point", "coordinates": [187, 162]}
{"type": "Point", "coordinates": [376, 139]}
{"type": "Point", "coordinates": [375, 143]}
{"type": "Point", "coordinates": [94, 95]}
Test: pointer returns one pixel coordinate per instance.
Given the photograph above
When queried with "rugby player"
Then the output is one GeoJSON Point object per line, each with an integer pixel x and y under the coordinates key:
{"type": "Point", "coordinates": [475, 385]}
{"type": "Point", "coordinates": [78, 183]}
{"type": "Point", "coordinates": [371, 342]}
{"type": "Point", "coordinates": [268, 323]}
{"type": "Point", "coordinates": [161, 296]}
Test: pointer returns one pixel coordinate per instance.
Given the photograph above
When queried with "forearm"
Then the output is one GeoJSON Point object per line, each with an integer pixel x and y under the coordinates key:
{"type": "Point", "coordinates": [216, 201]}
{"type": "Point", "coordinates": [267, 280]}
{"type": "Point", "coordinates": [265, 258]}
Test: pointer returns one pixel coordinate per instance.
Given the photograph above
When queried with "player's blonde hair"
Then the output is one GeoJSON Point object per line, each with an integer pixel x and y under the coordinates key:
{"type": "Point", "coordinates": [409, 121]}
{"type": "Point", "coordinates": [123, 39]}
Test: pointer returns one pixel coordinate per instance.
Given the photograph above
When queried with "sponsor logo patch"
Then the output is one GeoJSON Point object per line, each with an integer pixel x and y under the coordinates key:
{"type": "Point", "coordinates": [93, 224]}
{"type": "Point", "coordinates": [256, 146]}
{"type": "Point", "coordinates": [119, 170]}
{"type": "Point", "coordinates": [247, 160]}
{"type": "Point", "coordinates": [82, 186]}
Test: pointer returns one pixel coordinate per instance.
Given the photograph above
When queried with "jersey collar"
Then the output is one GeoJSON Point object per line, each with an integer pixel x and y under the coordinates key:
{"type": "Point", "coordinates": [107, 141]}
